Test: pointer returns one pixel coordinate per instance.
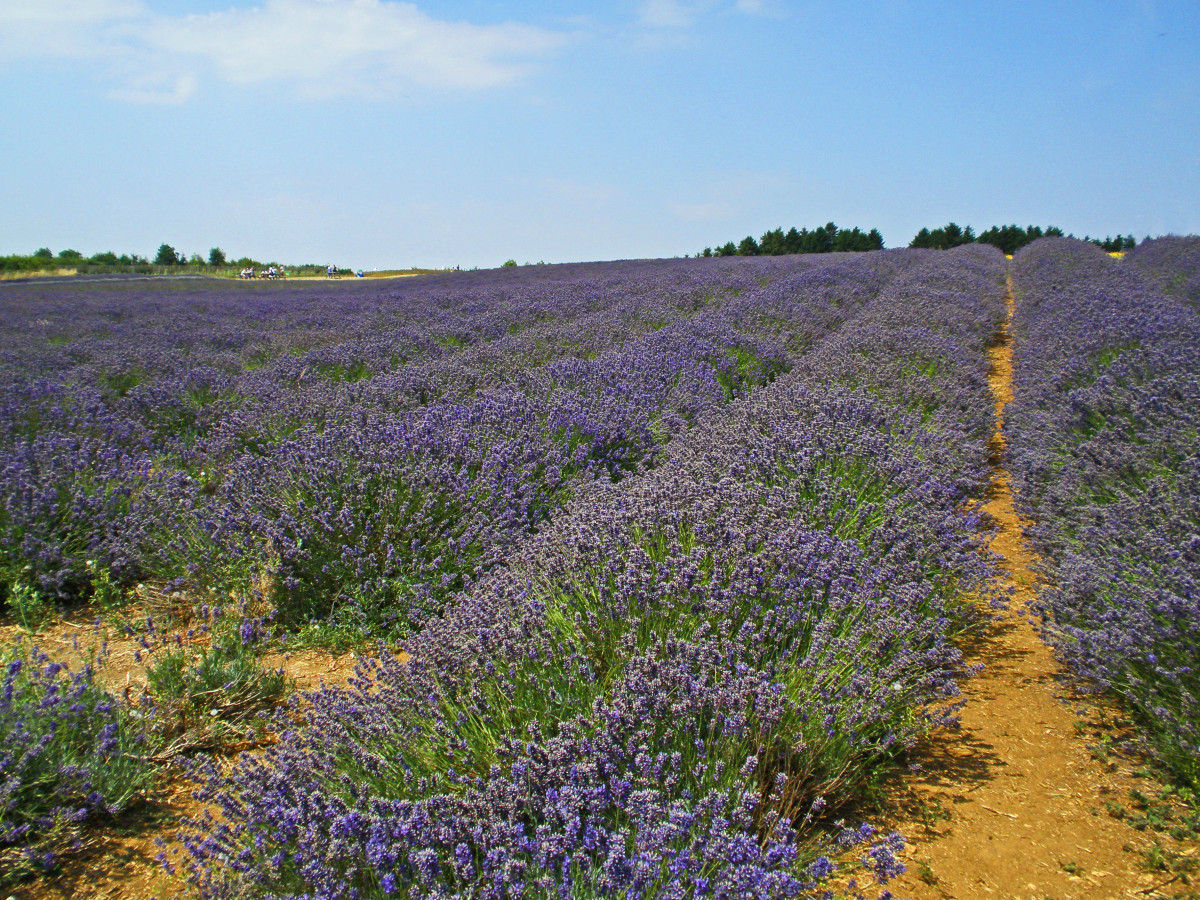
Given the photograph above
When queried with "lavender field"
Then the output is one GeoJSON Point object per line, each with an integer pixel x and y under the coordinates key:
{"type": "Point", "coordinates": [680, 553]}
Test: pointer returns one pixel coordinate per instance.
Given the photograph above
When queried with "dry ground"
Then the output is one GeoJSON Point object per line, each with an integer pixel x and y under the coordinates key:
{"type": "Point", "coordinates": [1013, 804]}
{"type": "Point", "coordinates": [120, 860]}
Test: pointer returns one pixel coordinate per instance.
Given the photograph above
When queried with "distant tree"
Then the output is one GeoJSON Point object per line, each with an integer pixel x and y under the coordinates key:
{"type": "Point", "coordinates": [106, 258]}
{"type": "Point", "coordinates": [509, 263]}
{"type": "Point", "coordinates": [70, 256]}
{"type": "Point", "coordinates": [707, 252]}
{"type": "Point", "coordinates": [748, 247]}
{"type": "Point", "coordinates": [194, 260]}
{"type": "Point", "coordinates": [1011, 238]}
{"type": "Point", "coordinates": [922, 240]}
{"type": "Point", "coordinates": [950, 235]}
{"type": "Point", "coordinates": [43, 253]}
{"type": "Point", "coordinates": [166, 256]}
{"type": "Point", "coordinates": [826, 239]}
{"type": "Point", "coordinates": [773, 243]}
{"type": "Point", "coordinates": [793, 242]}
{"type": "Point", "coordinates": [1008, 238]}
{"type": "Point", "coordinates": [855, 240]}
{"type": "Point", "coordinates": [821, 240]}
{"type": "Point", "coordinates": [216, 257]}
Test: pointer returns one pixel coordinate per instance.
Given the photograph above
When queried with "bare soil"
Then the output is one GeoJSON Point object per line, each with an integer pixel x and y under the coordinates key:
{"type": "Point", "coordinates": [121, 859]}
{"type": "Point", "coordinates": [1013, 803]}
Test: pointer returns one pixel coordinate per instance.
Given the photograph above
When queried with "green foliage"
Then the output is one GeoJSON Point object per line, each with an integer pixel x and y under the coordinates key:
{"type": "Point", "coordinates": [826, 239]}
{"type": "Point", "coordinates": [1008, 238]}
{"type": "Point", "coordinates": [210, 691]}
{"type": "Point", "coordinates": [1118, 244]}
{"type": "Point", "coordinates": [166, 256]}
{"type": "Point", "coordinates": [509, 263]}
{"type": "Point", "coordinates": [43, 253]}
{"type": "Point", "coordinates": [28, 606]}
{"type": "Point", "coordinates": [216, 257]}
{"type": "Point", "coordinates": [950, 235]}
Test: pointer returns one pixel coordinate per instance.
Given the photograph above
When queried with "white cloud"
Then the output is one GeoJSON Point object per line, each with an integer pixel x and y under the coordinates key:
{"type": "Point", "coordinates": [62, 28]}
{"type": "Point", "coordinates": [667, 13]}
{"type": "Point", "coordinates": [373, 48]}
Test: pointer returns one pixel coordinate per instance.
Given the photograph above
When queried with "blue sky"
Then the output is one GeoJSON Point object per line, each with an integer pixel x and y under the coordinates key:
{"type": "Point", "coordinates": [377, 133]}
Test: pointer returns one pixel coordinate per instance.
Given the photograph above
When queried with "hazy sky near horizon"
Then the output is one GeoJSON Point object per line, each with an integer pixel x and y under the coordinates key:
{"type": "Point", "coordinates": [377, 133]}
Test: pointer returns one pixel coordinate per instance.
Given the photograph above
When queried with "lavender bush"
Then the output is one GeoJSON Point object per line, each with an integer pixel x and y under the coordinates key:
{"type": "Point", "coordinates": [1102, 435]}
{"type": "Point", "coordinates": [1172, 262]}
{"type": "Point", "coordinates": [661, 691]}
{"type": "Point", "coordinates": [365, 457]}
{"type": "Point", "coordinates": [69, 753]}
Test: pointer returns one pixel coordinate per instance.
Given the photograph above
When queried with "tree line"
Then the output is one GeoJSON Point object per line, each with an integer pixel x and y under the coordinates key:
{"type": "Point", "coordinates": [830, 239]}
{"type": "Point", "coordinates": [1009, 238]}
{"type": "Point", "coordinates": [826, 239]}
{"type": "Point", "coordinates": [166, 256]}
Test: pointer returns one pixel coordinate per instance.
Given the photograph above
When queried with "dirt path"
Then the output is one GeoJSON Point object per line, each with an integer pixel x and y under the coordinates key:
{"type": "Point", "coordinates": [1013, 803]}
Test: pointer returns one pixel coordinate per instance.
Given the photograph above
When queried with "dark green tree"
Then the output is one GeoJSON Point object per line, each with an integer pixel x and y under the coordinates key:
{"type": "Point", "coordinates": [166, 256]}
{"type": "Point", "coordinates": [727, 249]}
{"type": "Point", "coordinates": [107, 258]}
{"type": "Point", "coordinates": [922, 240]}
{"type": "Point", "coordinates": [748, 247]}
{"type": "Point", "coordinates": [821, 240]}
{"type": "Point", "coordinates": [43, 253]}
{"type": "Point", "coordinates": [70, 256]}
{"type": "Point", "coordinates": [793, 241]}
{"type": "Point", "coordinates": [773, 243]}
{"type": "Point", "coordinates": [216, 257]}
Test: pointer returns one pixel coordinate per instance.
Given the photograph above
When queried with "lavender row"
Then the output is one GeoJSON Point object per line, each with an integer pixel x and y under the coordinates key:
{"type": "Point", "coordinates": [172, 366]}
{"type": "Point", "coordinates": [1173, 263]}
{"type": "Point", "coordinates": [1102, 435]}
{"type": "Point", "coordinates": [923, 348]}
{"type": "Point", "coordinates": [662, 692]}
{"type": "Point", "coordinates": [359, 499]}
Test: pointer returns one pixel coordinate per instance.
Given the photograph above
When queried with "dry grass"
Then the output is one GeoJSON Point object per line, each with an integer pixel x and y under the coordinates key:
{"type": "Point", "coordinates": [39, 273]}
